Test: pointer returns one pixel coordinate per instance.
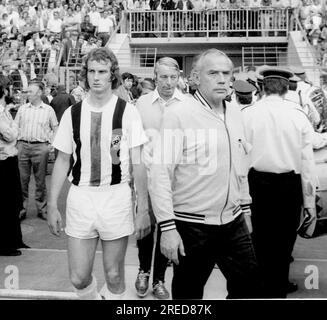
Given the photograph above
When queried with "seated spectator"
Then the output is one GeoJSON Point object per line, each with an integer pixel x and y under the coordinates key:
{"type": "Point", "coordinates": [94, 15]}
{"type": "Point", "coordinates": [13, 15]}
{"type": "Point", "coordinates": [5, 24]}
{"type": "Point", "coordinates": [89, 45]}
{"type": "Point", "coordinates": [87, 28]}
{"type": "Point", "coordinates": [71, 22]}
{"type": "Point", "coordinates": [104, 27]}
{"type": "Point", "coordinates": [50, 10]}
{"type": "Point", "coordinates": [55, 25]}
{"type": "Point", "coordinates": [28, 28]}
{"type": "Point", "coordinates": [13, 33]}
{"type": "Point", "coordinates": [39, 23]}
{"type": "Point", "coordinates": [31, 43]}
{"type": "Point", "coordinates": [41, 13]}
{"type": "Point", "coordinates": [79, 16]}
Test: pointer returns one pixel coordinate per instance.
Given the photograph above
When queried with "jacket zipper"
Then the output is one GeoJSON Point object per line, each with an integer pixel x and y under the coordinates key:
{"type": "Point", "coordinates": [230, 169]}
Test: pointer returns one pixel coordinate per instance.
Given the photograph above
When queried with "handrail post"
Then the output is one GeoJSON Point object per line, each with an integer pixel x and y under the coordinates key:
{"type": "Point", "coordinates": [207, 24]}
{"type": "Point", "coordinates": [168, 26]}
{"type": "Point", "coordinates": [247, 23]}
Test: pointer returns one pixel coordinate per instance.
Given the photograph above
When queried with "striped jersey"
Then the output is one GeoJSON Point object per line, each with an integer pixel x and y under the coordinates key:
{"type": "Point", "coordinates": [100, 139]}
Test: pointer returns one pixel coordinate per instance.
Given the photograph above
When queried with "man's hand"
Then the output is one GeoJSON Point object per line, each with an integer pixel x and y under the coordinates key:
{"type": "Point", "coordinates": [248, 222]}
{"type": "Point", "coordinates": [54, 220]}
{"type": "Point", "coordinates": [171, 242]}
{"type": "Point", "coordinates": [142, 224]}
{"type": "Point", "coordinates": [311, 213]}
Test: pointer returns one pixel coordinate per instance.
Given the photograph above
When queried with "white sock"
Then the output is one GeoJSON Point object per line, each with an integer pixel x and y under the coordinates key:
{"type": "Point", "coordinates": [90, 292]}
{"type": "Point", "coordinates": [108, 295]}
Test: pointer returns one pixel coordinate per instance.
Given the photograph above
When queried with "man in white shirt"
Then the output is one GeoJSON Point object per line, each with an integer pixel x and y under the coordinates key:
{"type": "Point", "coordinates": [94, 15]}
{"type": "Point", "coordinates": [281, 178]}
{"type": "Point", "coordinates": [104, 27]}
{"type": "Point", "coordinates": [55, 25]}
{"type": "Point", "coordinates": [71, 23]}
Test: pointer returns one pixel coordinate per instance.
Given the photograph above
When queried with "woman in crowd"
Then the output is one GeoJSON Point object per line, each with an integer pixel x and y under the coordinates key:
{"type": "Point", "coordinates": [10, 188]}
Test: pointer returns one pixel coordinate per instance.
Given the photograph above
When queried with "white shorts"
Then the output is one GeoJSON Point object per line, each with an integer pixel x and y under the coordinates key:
{"type": "Point", "coordinates": [104, 212]}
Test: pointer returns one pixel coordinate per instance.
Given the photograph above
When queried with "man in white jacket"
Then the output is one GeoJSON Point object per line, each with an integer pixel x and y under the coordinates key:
{"type": "Point", "coordinates": [199, 189]}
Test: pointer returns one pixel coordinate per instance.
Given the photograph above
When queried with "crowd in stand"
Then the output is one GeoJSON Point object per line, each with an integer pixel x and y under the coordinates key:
{"type": "Point", "coordinates": [37, 37]}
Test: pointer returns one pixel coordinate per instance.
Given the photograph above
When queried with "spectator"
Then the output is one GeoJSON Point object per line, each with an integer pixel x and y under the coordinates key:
{"type": "Point", "coordinates": [104, 27]}
{"type": "Point", "coordinates": [87, 28]}
{"type": "Point", "coordinates": [94, 15]}
{"type": "Point", "coordinates": [124, 90]}
{"type": "Point", "coordinates": [89, 45]}
{"type": "Point", "coordinates": [20, 77]}
{"type": "Point", "coordinates": [31, 43]}
{"type": "Point", "coordinates": [62, 101]}
{"type": "Point", "coordinates": [79, 93]}
{"type": "Point", "coordinates": [146, 86]}
{"type": "Point", "coordinates": [13, 15]}
{"type": "Point", "coordinates": [10, 188]}
{"type": "Point", "coordinates": [5, 24]}
{"type": "Point", "coordinates": [78, 14]}
{"type": "Point", "coordinates": [37, 125]}
{"type": "Point", "coordinates": [71, 49]}
{"type": "Point", "coordinates": [51, 57]}
{"type": "Point", "coordinates": [55, 25]}
{"type": "Point", "coordinates": [71, 22]}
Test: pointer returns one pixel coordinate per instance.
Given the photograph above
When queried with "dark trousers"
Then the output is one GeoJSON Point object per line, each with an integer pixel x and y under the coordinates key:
{"type": "Point", "coordinates": [34, 157]}
{"type": "Point", "coordinates": [145, 247]}
{"type": "Point", "coordinates": [229, 246]}
{"type": "Point", "coordinates": [276, 209]}
{"type": "Point", "coordinates": [11, 204]}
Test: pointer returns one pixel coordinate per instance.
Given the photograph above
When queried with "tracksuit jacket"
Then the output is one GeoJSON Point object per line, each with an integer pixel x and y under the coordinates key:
{"type": "Point", "coordinates": [199, 169]}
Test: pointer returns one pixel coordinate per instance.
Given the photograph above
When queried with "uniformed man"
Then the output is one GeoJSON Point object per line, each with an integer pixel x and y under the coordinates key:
{"type": "Point", "coordinates": [281, 177]}
{"type": "Point", "coordinates": [319, 139]}
{"type": "Point", "coordinates": [244, 93]}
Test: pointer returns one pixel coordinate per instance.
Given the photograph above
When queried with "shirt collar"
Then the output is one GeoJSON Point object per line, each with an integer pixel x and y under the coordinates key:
{"type": "Point", "coordinates": [176, 96]}
{"type": "Point", "coordinates": [198, 96]}
{"type": "Point", "coordinates": [40, 106]}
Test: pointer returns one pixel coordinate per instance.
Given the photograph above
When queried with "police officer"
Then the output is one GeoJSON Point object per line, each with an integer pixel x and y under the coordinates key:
{"type": "Point", "coordinates": [243, 93]}
{"type": "Point", "coordinates": [281, 177]}
{"type": "Point", "coordinates": [319, 140]}
{"type": "Point", "coordinates": [304, 90]}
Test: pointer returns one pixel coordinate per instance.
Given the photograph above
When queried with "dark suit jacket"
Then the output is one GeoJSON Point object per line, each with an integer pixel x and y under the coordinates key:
{"type": "Point", "coordinates": [61, 102]}
{"type": "Point", "coordinates": [68, 48]}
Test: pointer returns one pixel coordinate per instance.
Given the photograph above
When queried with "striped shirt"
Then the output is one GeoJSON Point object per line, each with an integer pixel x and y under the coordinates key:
{"type": "Point", "coordinates": [36, 123]}
{"type": "Point", "coordinates": [100, 147]}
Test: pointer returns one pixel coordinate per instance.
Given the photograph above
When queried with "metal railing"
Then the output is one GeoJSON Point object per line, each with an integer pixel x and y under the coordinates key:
{"type": "Point", "coordinates": [258, 56]}
{"type": "Point", "coordinates": [210, 23]}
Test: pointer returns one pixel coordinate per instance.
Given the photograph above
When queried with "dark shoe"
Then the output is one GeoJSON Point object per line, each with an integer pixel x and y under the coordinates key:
{"type": "Point", "coordinates": [159, 291]}
{"type": "Point", "coordinates": [291, 287]}
{"type": "Point", "coordinates": [23, 246]}
{"type": "Point", "coordinates": [22, 215]}
{"type": "Point", "coordinates": [42, 216]}
{"type": "Point", "coordinates": [142, 283]}
{"type": "Point", "coordinates": [10, 252]}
